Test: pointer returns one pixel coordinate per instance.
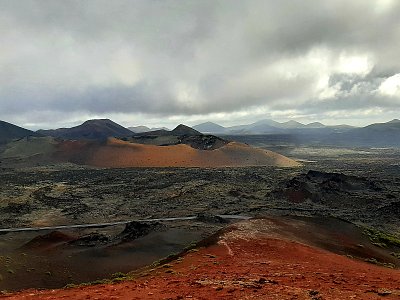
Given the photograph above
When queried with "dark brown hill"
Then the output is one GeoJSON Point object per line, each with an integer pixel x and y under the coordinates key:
{"type": "Point", "coordinates": [97, 129]}
{"type": "Point", "coordinates": [9, 132]}
{"type": "Point", "coordinates": [182, 134]}
{"type": "Point", "coordinates": [184, 130]}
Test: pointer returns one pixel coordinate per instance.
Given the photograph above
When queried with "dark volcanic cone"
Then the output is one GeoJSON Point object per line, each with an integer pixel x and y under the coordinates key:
{"type": "Point", "coordinates": [46, 241]}
{"type": "Point", "coordinates": [134, 230]}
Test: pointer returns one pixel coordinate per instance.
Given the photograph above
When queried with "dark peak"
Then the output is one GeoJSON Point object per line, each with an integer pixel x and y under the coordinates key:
{"type": "Point", "coordinates": [394, 121]}
{"type": "Point", "coordinates": [9, 126]}
{"type": "Point", "coordinates": [95, 129]}
{"type": "Point", "coordinates": [185, 130]}
{"type": "Point", "coordinates": [10, 132]}
{"type": "Point", "coordinates": [182, 126]}
{"type": "Point", "coordinates": [4, 123]}
{"type": "Point", "coordinates": [98, 121]}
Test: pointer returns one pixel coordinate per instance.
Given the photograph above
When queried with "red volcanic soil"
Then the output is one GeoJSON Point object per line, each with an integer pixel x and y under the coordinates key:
{"type": "Point", "coordinates": [248, 261]}
{"type": "Point", "coordinates": [119, 154]}
{"type": "Point", "coordinates": [47, 241]}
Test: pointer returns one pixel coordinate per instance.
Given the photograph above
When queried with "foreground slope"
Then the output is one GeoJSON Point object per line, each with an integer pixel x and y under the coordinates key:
{"type": "Point", "coordinates": [117, 154]}
{"type": "Point", "coordinates": [268, 258]}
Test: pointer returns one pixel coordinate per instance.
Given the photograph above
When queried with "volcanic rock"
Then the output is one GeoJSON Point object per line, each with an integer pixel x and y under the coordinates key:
{"type": "Point", "coordinates": [134, 230]}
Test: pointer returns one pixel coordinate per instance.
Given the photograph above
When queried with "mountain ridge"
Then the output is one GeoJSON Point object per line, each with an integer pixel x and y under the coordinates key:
{"type": "Point", "coordinates": [93, 129]}
{"type": "Point", "coordinates": [376, 134]}
{"type": "Point", "coordinates": [142, 128]}
{"type": "Point", "coordinates": [9, 132]}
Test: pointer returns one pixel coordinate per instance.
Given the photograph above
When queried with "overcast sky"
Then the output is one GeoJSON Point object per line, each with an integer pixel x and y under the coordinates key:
{"type": "Point", "coordinates": [156, 62]}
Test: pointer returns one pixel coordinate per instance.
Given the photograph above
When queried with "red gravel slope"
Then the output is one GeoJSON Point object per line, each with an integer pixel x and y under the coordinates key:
{"type": "Point", "coordinates": [119, 154]}
{"type": "Point", "coordinates": [248, 261]}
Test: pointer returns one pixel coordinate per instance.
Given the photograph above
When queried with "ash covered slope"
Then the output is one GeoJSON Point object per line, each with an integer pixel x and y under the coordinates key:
{"type": "Point", "coordinates": [97, 129]}
{"type": "Point", "coordinates": [9, 132]}
{"type": "Point", "coordinates": [89, 144]}
{"type": "Point", "coordinates": [119, 154]}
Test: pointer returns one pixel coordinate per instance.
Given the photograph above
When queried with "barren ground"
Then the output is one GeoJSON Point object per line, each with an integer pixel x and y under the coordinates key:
{"type": "Point", "coordinates": [253, 259]}
{"type": "Point", "coordinates": [69, 194]}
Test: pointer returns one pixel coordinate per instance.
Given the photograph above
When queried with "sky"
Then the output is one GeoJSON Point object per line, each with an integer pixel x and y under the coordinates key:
{"type": "Point", "coordinates": [161, 63]}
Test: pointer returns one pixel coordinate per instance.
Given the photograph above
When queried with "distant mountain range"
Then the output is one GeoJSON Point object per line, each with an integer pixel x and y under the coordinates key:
{"type": "Point", "coordinates": [374, 135]}
{"type": "Point", "coordinates": [140, 129]}
{"type": "Point", "coordinates": [378, 134]}
{"type": "Point", "coordinates": [263, 127]}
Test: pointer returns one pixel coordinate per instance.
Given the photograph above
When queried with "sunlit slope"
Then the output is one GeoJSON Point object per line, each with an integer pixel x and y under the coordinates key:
{"type": "Point", "coordinates": [116, 153]}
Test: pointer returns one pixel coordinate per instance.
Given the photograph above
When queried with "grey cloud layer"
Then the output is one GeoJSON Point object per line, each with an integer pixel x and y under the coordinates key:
{"type": "Point", "coordinates": [193, 57]}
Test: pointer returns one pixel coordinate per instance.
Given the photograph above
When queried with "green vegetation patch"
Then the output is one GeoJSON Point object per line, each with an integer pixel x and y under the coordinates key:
{"type": "Point", "coordinates": [395, 254]}
{"type": "Point", "coordinates": [381, 239]}
{"type": "Point", "coordinates": [382, 264]}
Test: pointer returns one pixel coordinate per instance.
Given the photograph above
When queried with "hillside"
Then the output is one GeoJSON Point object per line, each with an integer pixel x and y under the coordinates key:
{"type": "Point", "coordinates": [374, 135]}
{"type": "Point", "coordinates": [265, 258]}
{"type": "Point", "coordinates": [265, 126]}
{"type": "Point", "coordinates": [315, 125]}
{"type": "Point", "coordinates": [119, 154]}
{"type": "Point", "coordinates": [180, 130]}
{"type": "Point", "coordinates": [187, 151]}
{"type": "Point", "coordinates": [209, 127]}
{"type": "Point", "coordinates": [97, 129]}
{"type": "Point", "coordinates": [9, 132]}
{"type": "Point", "coordinates": [291, 124]}
{"type": "Point", "coordinates": [140, 129]}
{"type": "Point", "coordinates": [182, 134]}
{"type": "Point", "coordinates": [184, 130]}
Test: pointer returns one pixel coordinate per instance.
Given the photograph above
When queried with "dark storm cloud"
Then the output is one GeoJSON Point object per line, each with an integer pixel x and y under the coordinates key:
{"type": "Point", "coordinates": [196, 57]}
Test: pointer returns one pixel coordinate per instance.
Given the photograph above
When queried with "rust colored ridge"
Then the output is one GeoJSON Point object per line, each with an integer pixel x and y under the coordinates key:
{"type": "Point", "coordinates": [254, 259]}
{"type": "Point", "coordinates": [119, 154]}
{"type": "Point", "coordinates": [48, 241]}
